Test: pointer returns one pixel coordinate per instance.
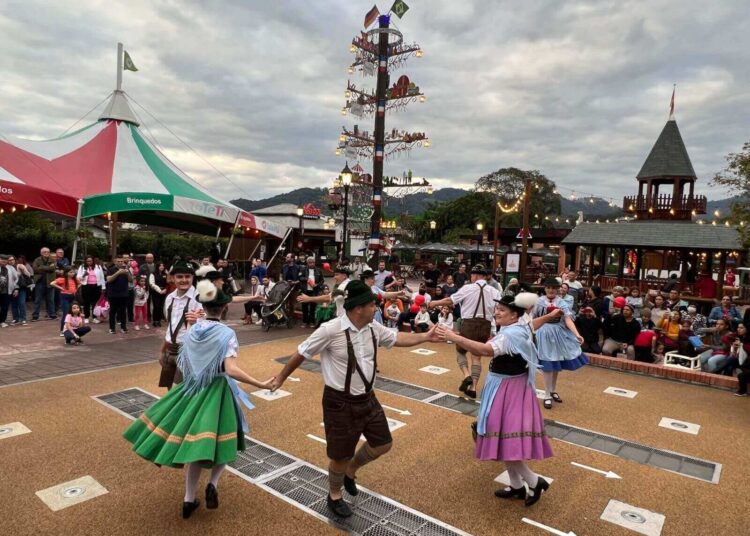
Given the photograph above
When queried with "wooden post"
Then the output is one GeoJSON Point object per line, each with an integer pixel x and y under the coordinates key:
{"type": "Point", "coordinates": [621, 265]}
{"type": "Point", "coordinates": [524, 231]}
{"type": "Point", "coordinates": [590, 275]}
{"type": "Point", "coordinates": [683, 268]}
{"type": "Point", "coordinates": [496, 237]}
{"type": "Point", "coordinates": [638, 267]}
{"type": "Point", "coordinates": [722, 270]}
{"type": "Point", "coordinates": [577, 259]}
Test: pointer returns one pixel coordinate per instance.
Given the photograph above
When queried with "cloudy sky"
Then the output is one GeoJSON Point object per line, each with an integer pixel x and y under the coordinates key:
{"type": "Point", "coordinates": [577, 89]}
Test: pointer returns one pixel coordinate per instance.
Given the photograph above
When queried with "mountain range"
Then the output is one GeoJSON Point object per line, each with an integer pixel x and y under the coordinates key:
{"type": "Point", "coordinates": [415, 204]}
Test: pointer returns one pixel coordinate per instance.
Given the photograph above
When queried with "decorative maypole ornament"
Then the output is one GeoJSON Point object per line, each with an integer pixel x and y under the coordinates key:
{"type": "Point", "coordinates": [378, 51]}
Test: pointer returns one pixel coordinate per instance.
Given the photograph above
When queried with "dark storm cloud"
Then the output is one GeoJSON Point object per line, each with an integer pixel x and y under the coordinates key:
{"type": "Point", "coordinates": [579, 90]}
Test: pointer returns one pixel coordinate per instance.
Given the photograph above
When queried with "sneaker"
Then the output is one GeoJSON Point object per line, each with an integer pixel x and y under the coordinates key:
{"type": "Point", "coordinates": [62, 334]}
{"type": "Point", "coordinates": [112, 331]}
{"type": "Point", "coordinates": [23, 322]}
{"type": "Point", "coordinates": [4, 325]}
{"type": "Point", "coordinates": [35, 319]}
{"type": "Point", "coordinates": [740, 394]}
{"type": "Point", "coordinates": [14, 323]}
{"type": "Point", "coordinates": [85, 320]}
{"type": "Point", "coordinates": [146, 327]}
{"type": "Point", "coordinates": [123, 331]}
{"type": "Point", "coordinates": [96, 321]}
{"type": "Point", "coordinates": [138, 328]}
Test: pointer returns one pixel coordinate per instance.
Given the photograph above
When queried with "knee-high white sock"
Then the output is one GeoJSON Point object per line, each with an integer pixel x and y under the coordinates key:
{"type": "Point", "coordinates": [554, 380]}
{"type": "Point", "coordinates": [548, 377]}
{"type": "Point", "coordinates": [216, 472]}
{"type": "Point", "coordinates": [531, 478]}
{"type": "Point", "coordinates": [192, 475]}
{"type": "Point", "coordinates": [515, 478]}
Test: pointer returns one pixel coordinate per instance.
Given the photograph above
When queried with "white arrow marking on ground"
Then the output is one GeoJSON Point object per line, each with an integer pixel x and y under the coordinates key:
{"type": "Point", "coordinates": [548, 529]}
{"type": "Point", "coordinates": [293, 379]}
{"type": "Point", "coordinates": [399, 411]}
{"type": "Point", "coordinates": [608, 474]}
{"type": "Point", "coordinates": [316, 438]}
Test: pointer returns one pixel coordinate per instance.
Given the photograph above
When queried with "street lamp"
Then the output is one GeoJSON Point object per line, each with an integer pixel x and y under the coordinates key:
{"type": "Point", "coordinates": [300, 213]}
{"type": "Point", "coordinates": [480, 228]}
{"type": "Point", "coordinates": [433, 225]}
{"type": "Point", "coordinates": [346, 180]}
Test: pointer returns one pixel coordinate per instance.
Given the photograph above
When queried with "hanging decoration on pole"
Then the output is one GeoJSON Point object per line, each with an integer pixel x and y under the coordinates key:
{"type": "Point", "coordinates": [377, 52]}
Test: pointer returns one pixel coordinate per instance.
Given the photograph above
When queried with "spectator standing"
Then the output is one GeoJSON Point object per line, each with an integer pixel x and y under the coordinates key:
{"type": "Point", "coordinates": [310, 284]}
{"type": "Point", "coordinates": [66, 285]}
{"type": "Point", "coordinates": [356, 268]}
{"type": "Point", "coordinates": [140, 304]}
{"type": "Point", "coordinates": [25, 284]}
{"type": "Point", "coordinates": [158, 282]}
{"type": "Point", "coordinates": [61, 265]}
{"type": "Point", "coordinates": [575, 288]}
{"type": "Point", "coordinates": [74, 327]}
{"type": "Point", "coordinates": [148, 268]}
{"type": "Point", "coordinates": [432, 277]}
{"type": "Point", "coordinates": [8, 288]}
{"type": "Point", "coordinates": [460, 277]}
{"type": "Point", "coordinates": [727, 311]}
{"type": "Point", "coordinates": [119, 278]}
{"type": "Point", "coordinates": [381, 275]}
{"type": "Point", "coordinates": [90, 278]}
{"type": "Point", "coordinates": [705, 286]}
{"type": "Point", "coordinates": [730, 277]}
{"type": "Point", "coordinates": [132, 267]}
{"type": "Point", "coordinates": [259, 269]}
{"type": "Point", "coordinates": [290, 273]}
{"type": "Point", "coordinates": [44, 274]}
{"type": "Point", "coordinates": [491, 281]}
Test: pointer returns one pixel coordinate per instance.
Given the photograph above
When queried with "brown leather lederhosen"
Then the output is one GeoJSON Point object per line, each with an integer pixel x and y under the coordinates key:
{"type": "Point", "coordinates": [170, 374]}
{"type": "Point", "coordinates": [475, 328]}
{"type": "Point", "coordinates": [347, 416]}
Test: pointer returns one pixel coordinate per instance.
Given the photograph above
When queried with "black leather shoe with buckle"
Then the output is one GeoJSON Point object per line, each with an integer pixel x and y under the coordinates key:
{"type": "Point", "coordinates": [189, 507]}
{"type": "Point", "coordinates": [339, 507]}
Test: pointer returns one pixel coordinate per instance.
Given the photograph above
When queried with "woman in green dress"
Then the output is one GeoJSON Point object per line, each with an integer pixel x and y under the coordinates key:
{"type": "Point", "coordinates": [199, 424]}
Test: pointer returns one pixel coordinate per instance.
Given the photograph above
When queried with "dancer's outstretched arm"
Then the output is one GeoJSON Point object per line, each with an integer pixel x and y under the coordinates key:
{"type": "Point", "coordinates": [476, 348]}
{"type": "Point", "coordinates": [294, 362]}
{"type": "Point", "coordinates": [412, 339]}
{"type": "Point", "coordinates": [234, 371]}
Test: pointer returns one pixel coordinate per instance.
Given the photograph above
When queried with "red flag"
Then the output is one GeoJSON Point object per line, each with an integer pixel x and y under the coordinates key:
{"type": "Point", "coordinates": [671, 104]}
{"type": "Point", "coordinates": [371, 16]}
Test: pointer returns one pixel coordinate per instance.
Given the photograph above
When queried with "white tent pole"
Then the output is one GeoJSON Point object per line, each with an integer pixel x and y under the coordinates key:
{"type": "Point", "coordinates": [289, 230]}
{"type": "Point", "coordinates": [78, 226]}
{"type": "Point", "coordinates": [218, 232]}
{"type": "Point", "coordinates": [119, 66]}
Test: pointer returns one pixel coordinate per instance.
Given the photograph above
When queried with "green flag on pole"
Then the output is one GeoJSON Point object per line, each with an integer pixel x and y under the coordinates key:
{"type": "Point", "coordinates": [127, 64]}
{"type": "Point", "coordinates": [399, 7]}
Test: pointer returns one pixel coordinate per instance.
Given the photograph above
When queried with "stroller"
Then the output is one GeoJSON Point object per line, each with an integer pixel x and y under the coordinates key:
{"type": "Point", "coordinates": [273, 312]}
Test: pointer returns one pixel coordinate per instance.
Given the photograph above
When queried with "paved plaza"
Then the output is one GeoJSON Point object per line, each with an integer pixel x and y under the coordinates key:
{"type": "Point", "coordinates": [632, 454]}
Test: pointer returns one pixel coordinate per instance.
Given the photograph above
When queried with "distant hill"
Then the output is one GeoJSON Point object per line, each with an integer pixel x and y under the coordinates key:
{"type": "Point", "coordinates": [414, 204]}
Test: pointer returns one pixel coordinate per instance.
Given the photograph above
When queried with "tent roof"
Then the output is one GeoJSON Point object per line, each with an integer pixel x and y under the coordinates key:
{"type": "Point", "coordinates": [118, 108]}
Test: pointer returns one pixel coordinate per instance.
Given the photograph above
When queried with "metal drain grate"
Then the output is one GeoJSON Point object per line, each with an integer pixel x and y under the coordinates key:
{"type": "Point", "coordinates": [456, 403]}
{"type": "Point", "coordinates": [258, 461]}
{"type": "Point", "coordinates": [628, 450]}
{"type": "Point", "coordinates": [408, 390]}
{"type": "Point", "coordinates": [131, 402]}
{"type": "Point", "coordinates": [374, 515]}
{"type": "Point", "coordinates": [309, 365]}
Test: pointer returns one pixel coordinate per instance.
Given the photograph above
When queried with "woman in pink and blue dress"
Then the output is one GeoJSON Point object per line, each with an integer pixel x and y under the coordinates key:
{"type": "Point", "coordinates": [509, 426]}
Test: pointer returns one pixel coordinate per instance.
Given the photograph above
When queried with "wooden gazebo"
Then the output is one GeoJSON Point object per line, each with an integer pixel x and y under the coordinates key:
{"type": "Point", "coordinates": [658, 234]}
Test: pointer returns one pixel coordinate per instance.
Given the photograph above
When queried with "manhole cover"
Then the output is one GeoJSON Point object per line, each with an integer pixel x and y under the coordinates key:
{"type": "Point", "coordinates": [75, 491]}
{"type": "Point", "coordinates": [5, 431]}
{"type": "Point", "coordinates": [679, 425]}
{"type": "Point", "coordinates": [633, 517]}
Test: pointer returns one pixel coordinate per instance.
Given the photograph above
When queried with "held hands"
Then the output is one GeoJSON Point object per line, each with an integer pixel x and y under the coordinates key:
{"type": "Point", "coordinates": [557, 313]}
{"type": "Point", "coordinates": [275, 383]}
{"type": "Point", "coordinates": [193, 316]}
{"type": "Point", "coordinates": [303, 298]}
{"type": "Point", "coordinates": [443, 333]}
{"type": "Point", "coordinates": [268, 384]}
{"type": "Point", "coordinates": [433, 335]}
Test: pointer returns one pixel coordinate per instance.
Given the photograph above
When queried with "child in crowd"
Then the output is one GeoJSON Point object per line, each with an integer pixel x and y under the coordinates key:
{"type": "Point", "coordinates": [446, 319]}
{"type": "Point", "coordinates": [67, 284]}
{"type": "Point", "coordinates": [645, 343]}
{"type": "Point", "coordinates": [645, 319]}
{"type": "Point", "coordinates": [73, 326]}
{"type": "Point", "coordinates": [391, 314]}
{"type": "Point", "coordinates": [589, 327]}
{"type": "Point", "coordinates": [684, 344]}
{"type": "Point", "coordinates": [422, 322]}
{"type": "Point", "coordinates": [635, 301]}
{"type": "Point", "coordinates": [140, 304]}
{"type": "Point", "coordinates": [658, 355]}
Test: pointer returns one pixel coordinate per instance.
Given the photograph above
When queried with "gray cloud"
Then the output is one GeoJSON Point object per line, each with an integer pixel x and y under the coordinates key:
{"type": "Point", "coordinates": [578, 90]}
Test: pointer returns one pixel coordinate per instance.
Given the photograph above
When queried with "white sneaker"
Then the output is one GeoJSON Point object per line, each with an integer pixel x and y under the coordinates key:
{"type": "Point", "coordinates": [146, 327]}
{"type": "Point", "coordinates": [96, 321]}
{"type": "Point", "coordinates": [138, 328]}
{"type": "Point", "coordinates": [259, 322]}
{"type": "Point", "coordinates": [85, 320]}
{"type": "Point", "coordinates": [23, 322]}
{"type": "Point", "coordinates": [61, 333]}
{"type": "Point", "coordinates": [4, 325]}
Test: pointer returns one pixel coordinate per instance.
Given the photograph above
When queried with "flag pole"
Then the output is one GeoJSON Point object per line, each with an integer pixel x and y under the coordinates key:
{"type": "Point", "coordinates": [119, 66]}
{"type": "Point", "coordinates": [78, 226]}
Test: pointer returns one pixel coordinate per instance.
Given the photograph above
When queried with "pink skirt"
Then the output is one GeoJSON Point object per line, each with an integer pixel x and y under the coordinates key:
{"type": "Point", "coordinates": [515, 426]}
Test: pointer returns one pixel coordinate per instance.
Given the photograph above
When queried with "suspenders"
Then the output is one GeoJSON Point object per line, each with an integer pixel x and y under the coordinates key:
{"type": "Point", "coordinates": [173, 332]}
{"type": "Point", "coordinates": [352, 363]}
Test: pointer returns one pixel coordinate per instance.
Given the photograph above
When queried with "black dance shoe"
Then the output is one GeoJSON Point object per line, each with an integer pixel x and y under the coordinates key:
{"type": "Point", "coordinates": [471, 393]}
{"type": "Point", "coordinates": [350, 486]}
{"type": "Point", "coordinates": [556, 398]}
{"type": "Point", "coordinates": [189, 507]}
{"type": "Point", "coordinates": [339, 507]}
{"type": "Point", "coordinates": [541, 485]}
{"type": "Point", "coordinates": [511, 493]}
{"type": "Point", "coordinates": [212, 497]}
{"type": "Point", "coordinates": [465, 384]}
{"type": "Point", "coordinates": [547, 403]}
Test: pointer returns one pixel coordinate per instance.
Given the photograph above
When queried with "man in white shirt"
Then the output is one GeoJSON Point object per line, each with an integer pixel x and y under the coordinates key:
{"type": "Point", "coordinates": [477, 301]}
{"type": "Point", "coordinates": [181, 310]}
{"type": "Point", "coordinates": [341, 279]}
{"type": "Point", "coordinates": [381, 275]}
{"type": "Point", "coordinates": [348, 356]}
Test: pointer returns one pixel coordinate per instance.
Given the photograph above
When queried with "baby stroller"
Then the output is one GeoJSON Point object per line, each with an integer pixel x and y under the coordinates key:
{"type": "Point", "coordinates": [273, 312]}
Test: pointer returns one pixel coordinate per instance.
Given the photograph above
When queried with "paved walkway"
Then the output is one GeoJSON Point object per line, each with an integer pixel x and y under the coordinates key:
{"type": "Point", "coordinates": [36, 351]}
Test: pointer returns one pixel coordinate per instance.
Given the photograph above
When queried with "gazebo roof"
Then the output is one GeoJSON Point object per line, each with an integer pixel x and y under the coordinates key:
{"type": "Point", "coordinates": [656, 234]}
{"type": "Point", "coordinates": [668, 157]}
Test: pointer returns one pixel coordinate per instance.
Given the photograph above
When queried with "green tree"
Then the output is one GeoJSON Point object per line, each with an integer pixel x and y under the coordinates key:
{"type": "Point", "coordinates": [507, 185]}
{"type": "Point", "coordinates": [736, 178]}
{"type": "Point", "coordinates": [456, 218]}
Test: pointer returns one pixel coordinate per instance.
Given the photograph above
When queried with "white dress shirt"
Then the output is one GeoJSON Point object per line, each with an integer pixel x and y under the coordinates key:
{"type": "Point", "coordinates": [178, 306]}
{"type": "Point", "coordinates": [329, 340]}
{"type": "Point", "coordinates": [468, 298]}
{"type": "Point", "coordinates": [339, 300]}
